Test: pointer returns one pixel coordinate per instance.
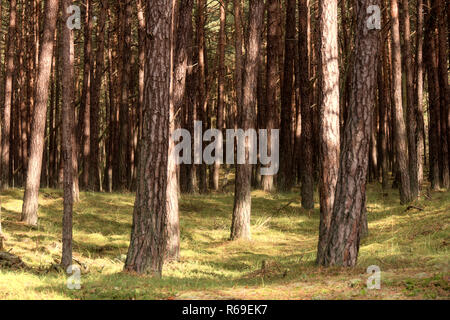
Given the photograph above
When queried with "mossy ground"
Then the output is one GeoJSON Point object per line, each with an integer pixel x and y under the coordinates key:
{"type": "Point", "coordinates": [410, 246]}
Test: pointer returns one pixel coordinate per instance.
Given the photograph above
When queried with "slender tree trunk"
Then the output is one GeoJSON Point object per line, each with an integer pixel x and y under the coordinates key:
{"type": "Point", "coordinates": [124, 154]}
{"type": "Point", "coordinates": [418, 94]}
{"type": "Point", "coordinates": [202, 91]}
{"type": "Point", "coordinates": [155, 197]}
{"type": "Point", "coordinates": [68, 116]}
{"type": "Point", "coordinates": [350, 201]}
{"type": "Point", "coordinates": [8, 94]}
{"type": "Point", "coordinates": [30, 202]}
{"type": "Point", "coordinates": [383, 96]}
{"type": "Point", "coordinates": [220, 85]}
{"type": "Point", "coordinates": [240, 227]}
{"type": "Point", "coordinates": [86, 98]}
{"type": "Point", "coordinates": [410, 109]}
{"type": "Point", "coordinates": [238, 72]}
{"type": "Point", "coordinates": [401, 146]}
{"type": "Point", "coordinates": [285, 177]}
{"type": "Point", "coordinates": [190, 102]}
{"type": "Point", "coordinates": [307, 166]}
{"type": "Point", "coordinates": [141, 60]}
{"type": "Point", "coordinates": [329, 117]}
{"type": "Point", "coordinates": [272, 79]}
{"type": "Point", "coordinates": [444, 93]}
{"type": "Point", "coordinates": [180, 70]}
{"type": "Point", "coordinates": [94, 176]}
{"type": "Point", "coordinates": [433, 95]}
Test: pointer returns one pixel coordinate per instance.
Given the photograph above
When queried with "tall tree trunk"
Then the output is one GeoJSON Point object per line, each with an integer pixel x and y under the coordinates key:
{"type": "Point", "coordinates": [68, 116]}
{"type": "Point", "coordinates": [350, 201]}
{"type": "Point", "coordinates": [329, 117]}
{"type": "Point", "coordinates": [86, 94]}
{"type": "Point", "coordinates": [418, 93]}
{"type": "Point", "coordinates": [124, 154]}
{"type": "Point", "coordinates": [307, 166]}
{"type": "Point", "coordinates": [180, 70]}
{"type": "Point", "coordinates": [202, 110]}
{"type": "Point", "coordinates": [94, 176]}
{"type": "Point", "coordinates": [272, 79]}
{"type": "Point", "coordinates": [444, 93]}
{"type": "Point", "coordinates": [240, 227]}
{"type": "Point", "coordinates": [238, 38]}
{"type": "Point", "coordinates": [433, 95]}
{"type": "Point", "coordinates": [30, 201]}
{"type": "Point", "coordinates": [285, 177]}
{"type": "Point", "coordinates": [410, 109]}
{"type": "Point", "coordinates": [401, 146]}
{"type": "Point", "coordinates": [383, 96]}
{"type": "Point", "coordinates": [8, 94]}
{"type": "Point", "coordinates": [182, 51]}
{"type": "Point", "coordinates": [155, 196]}
{"type": "Point", "coordinates": [220, 85]}
{"type": "Point", "coordinates": [190, 102]}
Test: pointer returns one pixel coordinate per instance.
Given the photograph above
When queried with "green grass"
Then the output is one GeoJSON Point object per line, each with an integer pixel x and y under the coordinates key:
{"type": "Point", "coordinates": [411, 248]}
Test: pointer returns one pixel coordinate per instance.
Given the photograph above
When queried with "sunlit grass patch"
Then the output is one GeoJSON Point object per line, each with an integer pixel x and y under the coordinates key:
{"type": "Point", "coordinates": [409, 245]}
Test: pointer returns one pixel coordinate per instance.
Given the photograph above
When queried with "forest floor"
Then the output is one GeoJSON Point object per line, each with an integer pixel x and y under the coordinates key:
{"type": "Point", "coordinates": [411, 247]}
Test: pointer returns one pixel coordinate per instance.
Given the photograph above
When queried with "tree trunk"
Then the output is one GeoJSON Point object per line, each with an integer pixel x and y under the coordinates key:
{"type": "Point", "coordinates": [272, 79]}
{"type": "Point", "coordinates": [155, 198]}
{"type": "Point", "coordinates": [433, 95]}
{"type": "Point", "coordinates": [124, 154]}
{"type": "Point", "coordinates": [220, 85]}
{"type": "Point", "coordinates": [418, 93]}
{"type": "Point", "coordinates": [240, 227]}
{"type": "Point", "coordinates": [94, 176]}
{"type": "Point", "coordinates": [350, 201]}
{"type": "Point", "coordinates": [68, 116]}
{"type": "Point", "coordinates": [401, 146]}
{"type": "Point", "coordinates": [202, 111]}
{"type": "Point", "coordinates": [86, 95]}
{"type": "Point", "coordinates": [410, 109]}
{"type": "Point", "coordinates": [444, 93]}
{"type": "Point", "coordinates": [307, 166]}
{"type": "Point", "coordinates": [329, 117]}
{"type": "Point", "coordinates": [239, 56]}
{"type": "Point", "coordinates": [285, 177]}
{"type": "Point", "coordinates": [8, 94]}
{"type": "Point", "coordinates": [30, 202]}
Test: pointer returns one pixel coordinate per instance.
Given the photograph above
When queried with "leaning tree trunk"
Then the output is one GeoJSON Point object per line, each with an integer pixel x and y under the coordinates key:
{"type": "Point", "coordinates": [30, 201]}
{"type": "Point", "coordinates": [329, 117]}
{"type": "Point", "coordinates": [155, 197]}
{"type": "Point", "coordinates": [401, 146]}
{"type": "Point", "coordinates": [240, 227]}
{"type": "Point", "coordinates": [68, 116]}
{"type": "Point", "coordinates": [350, 201]}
